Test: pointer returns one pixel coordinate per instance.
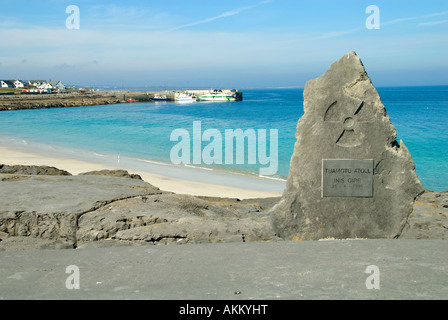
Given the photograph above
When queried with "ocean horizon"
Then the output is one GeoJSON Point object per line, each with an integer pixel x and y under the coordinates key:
{"type": "Point", "coordinates": [141, 131]}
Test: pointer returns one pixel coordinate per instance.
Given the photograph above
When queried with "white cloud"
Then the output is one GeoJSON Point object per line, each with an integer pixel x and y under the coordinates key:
{"type": "Point", "coordinates": [104, 55]}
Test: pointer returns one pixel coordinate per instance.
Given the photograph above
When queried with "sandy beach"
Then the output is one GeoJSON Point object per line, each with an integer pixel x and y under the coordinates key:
{"type": "Point", "coordinates": [180, 180]}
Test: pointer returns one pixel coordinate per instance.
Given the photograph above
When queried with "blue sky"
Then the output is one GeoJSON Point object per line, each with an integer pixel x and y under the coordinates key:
{"type": "Point", "coordinates": [243, 44]}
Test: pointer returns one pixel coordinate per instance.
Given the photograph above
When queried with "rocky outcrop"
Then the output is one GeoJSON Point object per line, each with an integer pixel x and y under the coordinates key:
{"type": "Point", "coordinates": [96, 210]}
{"type": "Point", "coordinates": [63, 212]}
{"type": "Point", "coordinates": [171, 218]}
{"type": "Point", "coordinates": [429, 218]}
{"type": "Point", "coordinates": [112, 173]}
{"type": "Point", "coordinates": [33, 170]}
{"type": "Point", "coordinates": [50, 207]}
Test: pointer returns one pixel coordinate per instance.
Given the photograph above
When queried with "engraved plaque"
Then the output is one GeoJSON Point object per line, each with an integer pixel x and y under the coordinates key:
{"type": "Point", "coordinates": [347, 178]}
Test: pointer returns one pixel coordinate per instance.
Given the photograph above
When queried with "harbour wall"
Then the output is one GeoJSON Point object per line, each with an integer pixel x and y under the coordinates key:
{"type": "Point", "coordinates": [76, 99]}
{"type": "Point", "coordinates": [172, 95]}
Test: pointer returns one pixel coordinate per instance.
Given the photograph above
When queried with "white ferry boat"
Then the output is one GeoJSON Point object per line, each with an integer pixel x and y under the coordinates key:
{"type": "Point", "coordinates": [184, 97]}
{"type": "Point", "coordinates": [218, 95]}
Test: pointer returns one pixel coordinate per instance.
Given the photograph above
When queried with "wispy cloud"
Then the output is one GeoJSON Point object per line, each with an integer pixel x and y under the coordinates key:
{"type": "Point", "coordinates": [437, 14]}
{"type": "Point", "coordinates": [432, 23]}
{"type": "Point", "coordinates": [222, 15]}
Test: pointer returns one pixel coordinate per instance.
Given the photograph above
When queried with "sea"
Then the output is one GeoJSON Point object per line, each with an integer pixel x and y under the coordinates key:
{"type": "Point", "coordinates": [158, 132]}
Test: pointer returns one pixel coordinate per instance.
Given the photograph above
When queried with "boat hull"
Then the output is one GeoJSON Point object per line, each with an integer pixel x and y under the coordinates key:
{"type": "Point", "coordinates": [160, 99]}
{"type": "Point", "coordinates": [220, 98]}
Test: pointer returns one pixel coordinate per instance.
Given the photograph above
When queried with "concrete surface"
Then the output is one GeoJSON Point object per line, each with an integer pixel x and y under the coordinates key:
{"type": "Point", "coordinates": [407, 269]}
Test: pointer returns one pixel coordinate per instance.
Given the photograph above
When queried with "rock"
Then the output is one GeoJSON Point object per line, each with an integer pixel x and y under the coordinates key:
{"type": "Point", "coordinates": [3, 236]}
{"type": "Point", "coordinates": [429, 219]}
{"type": "Point", "coordinates": [170, 218]}
{"type": "Point", "coordinates": [33, 170]}
{"type": "Point", "coordinates": [348, 178]}
{"type": "Point", "coordinates": [99, 211]}
{"type": "Point", "coordinates": [107, 243]}
{"type": "Point", "coordinates": [50, 207]}
{"type": "Point", "coordinates": [62, 212]}
{"type": "Point", "coordinates": [200, 230]}
{"type": "Point", "coordinates": [113, 173]}
{"type": "Point", "coordinates": [31, 243]}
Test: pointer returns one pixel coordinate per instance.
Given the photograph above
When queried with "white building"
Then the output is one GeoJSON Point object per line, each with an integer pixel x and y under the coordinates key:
{"type": "Point", "coordinates": [36, 83]}
{"type": "Point", "coordinates": [57, 85]}
{"type": "Point", "coordinates": [17, 84]}
{"type": "Point", "coordinates": [44, 85]}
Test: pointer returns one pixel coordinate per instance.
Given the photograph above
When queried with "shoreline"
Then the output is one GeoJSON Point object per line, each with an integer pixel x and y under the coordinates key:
{"type": "Point", "coordinates": [178, 179]}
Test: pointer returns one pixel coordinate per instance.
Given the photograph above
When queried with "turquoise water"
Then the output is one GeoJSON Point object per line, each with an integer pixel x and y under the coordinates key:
{"type": "Point", "coordinates": [142, 130]}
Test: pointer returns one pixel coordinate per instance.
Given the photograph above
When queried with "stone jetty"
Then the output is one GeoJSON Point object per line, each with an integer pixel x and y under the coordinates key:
{"type": "Point", "coordinates": [42, 101]}
{"type": "Point", "coordinates": [78, 99]}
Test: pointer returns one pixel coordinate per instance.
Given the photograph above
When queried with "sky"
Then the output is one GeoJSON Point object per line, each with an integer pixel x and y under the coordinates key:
{"type": "Point", "coordinates": [232, 44]}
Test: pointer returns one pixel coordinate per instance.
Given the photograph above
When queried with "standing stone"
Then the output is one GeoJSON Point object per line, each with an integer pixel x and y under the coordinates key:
{"type": "Point", "coordinates": [348, 176]}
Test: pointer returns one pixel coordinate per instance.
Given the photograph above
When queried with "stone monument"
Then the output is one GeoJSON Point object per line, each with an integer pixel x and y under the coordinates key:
{"type": "Point", "coordinates": [348, 176]}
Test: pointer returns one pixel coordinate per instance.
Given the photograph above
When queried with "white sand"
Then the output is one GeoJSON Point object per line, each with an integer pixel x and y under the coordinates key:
{"type": "Point", "coordinates": [182, 185]}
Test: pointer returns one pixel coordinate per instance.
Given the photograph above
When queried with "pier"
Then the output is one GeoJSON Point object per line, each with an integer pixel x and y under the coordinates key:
{"type": "Point", "coordinates": [146, 96]}
{"type": "Point", "coordinates": [16, 100]}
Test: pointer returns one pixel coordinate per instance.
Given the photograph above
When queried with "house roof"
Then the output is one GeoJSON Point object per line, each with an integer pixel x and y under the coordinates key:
{"type": "Point", "coordinates": [9, 82]}
{"type": "Point", "coordinates": [38, 81]}
{"type": "Point", "coordinates": [55, 82]}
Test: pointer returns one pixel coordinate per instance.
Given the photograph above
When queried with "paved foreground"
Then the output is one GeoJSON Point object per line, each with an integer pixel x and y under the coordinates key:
{"type": "Point", "coordinates": [399, 269]}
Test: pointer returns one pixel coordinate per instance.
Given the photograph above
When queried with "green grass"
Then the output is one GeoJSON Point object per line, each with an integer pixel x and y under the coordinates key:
{"type": "Point", "coordinates": [16, 91]}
